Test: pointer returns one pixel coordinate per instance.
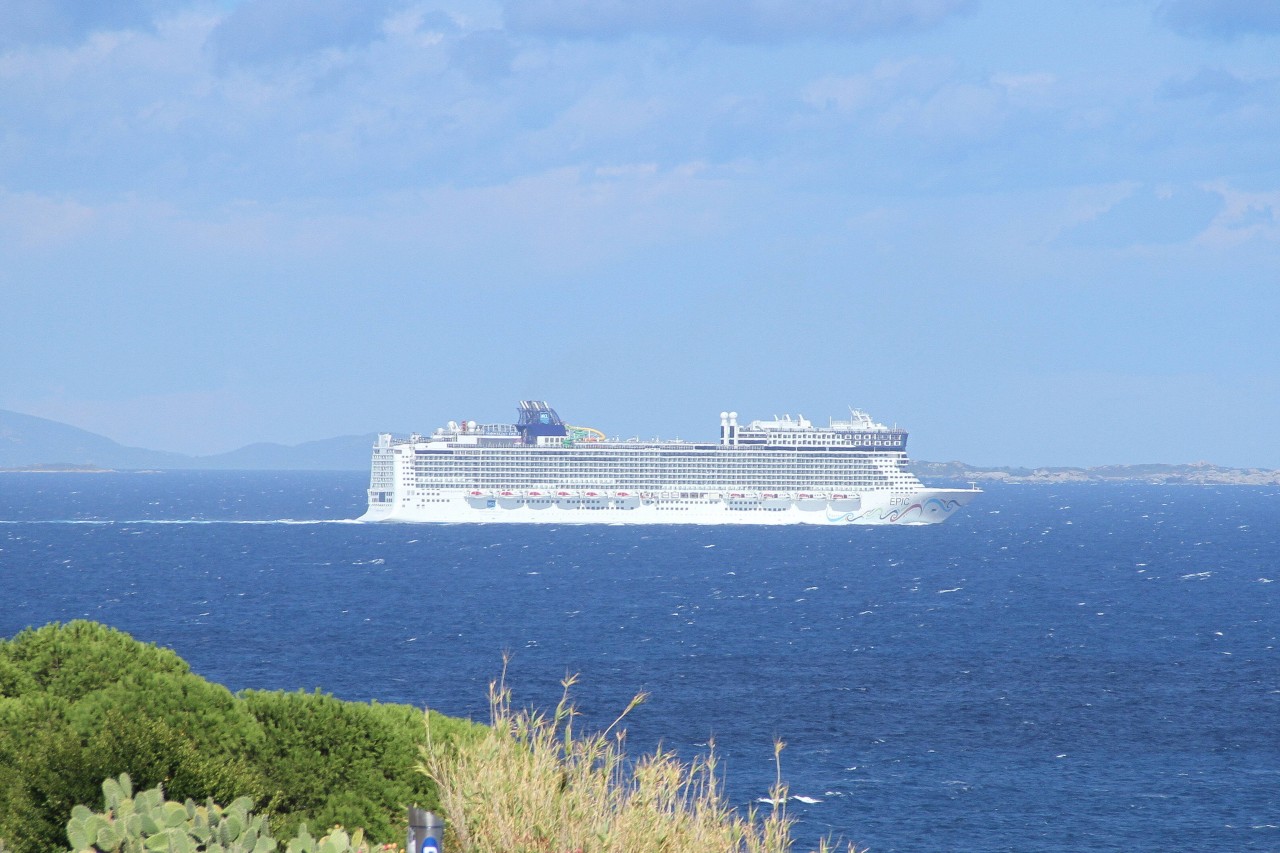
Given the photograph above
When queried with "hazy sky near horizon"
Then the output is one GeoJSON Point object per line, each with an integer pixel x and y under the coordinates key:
{"type": "Point", "coordinates": [1032, 233]}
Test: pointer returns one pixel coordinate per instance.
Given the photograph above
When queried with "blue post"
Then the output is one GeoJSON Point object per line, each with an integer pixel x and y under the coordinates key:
{"type": "Point", "coordinates": [426, 832]}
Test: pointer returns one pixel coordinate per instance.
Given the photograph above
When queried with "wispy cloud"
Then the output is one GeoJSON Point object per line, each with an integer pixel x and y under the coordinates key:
{"type": "Point", "coordinates": [1245, 216]}
{"type": "Point", "coordinates": [1221, 18]}
{"type": "Point", "coordinates": [731, 20]}
{"type": "Point", "coordinates": [1149, 216]}
{"type": "Point", "coordinates": [865, 175]}
{"type": "Point", "coordinates": [65, 22]}
{"type": "Point", "coordinates": [264, 31]}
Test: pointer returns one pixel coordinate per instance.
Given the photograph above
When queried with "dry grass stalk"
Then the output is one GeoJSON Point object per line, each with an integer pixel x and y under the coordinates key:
{"type": "Point", "coordinates": [532, 784]}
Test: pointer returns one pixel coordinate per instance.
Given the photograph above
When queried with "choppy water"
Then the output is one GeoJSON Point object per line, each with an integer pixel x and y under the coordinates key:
{"type": "Point", "coordinates": [1057, 668]}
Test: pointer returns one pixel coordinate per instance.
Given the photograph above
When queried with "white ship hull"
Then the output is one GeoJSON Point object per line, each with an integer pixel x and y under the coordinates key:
{"type": "Point", "coordinates": [924, 506]}
{"type": "Point", "coordinates": [543, 471]}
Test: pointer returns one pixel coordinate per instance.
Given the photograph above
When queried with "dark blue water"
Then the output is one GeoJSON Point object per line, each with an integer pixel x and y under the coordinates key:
{"type": "Point", "coordinates": [1057, 668]}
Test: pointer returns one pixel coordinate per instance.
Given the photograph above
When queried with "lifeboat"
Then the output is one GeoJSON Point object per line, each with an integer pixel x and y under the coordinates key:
{"type": "Point", "coordinates": [846, 502]}
{"type": "Point", "coordinates": [807, 500]}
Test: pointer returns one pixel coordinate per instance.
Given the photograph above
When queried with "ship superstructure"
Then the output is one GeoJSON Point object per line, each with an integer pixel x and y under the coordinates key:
{"type": "Point", "coordinates": [780, 471]}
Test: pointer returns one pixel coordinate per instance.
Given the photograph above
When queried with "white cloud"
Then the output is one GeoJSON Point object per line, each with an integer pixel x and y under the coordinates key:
{"type": "Point", "coordinates": [266, 31]}
{"type": "Point", "coordinates": [67, 22]}
{"type": "Point", "coordinates": [1221, 18]}
{"type": "Point", "coordinates": [930, 100]}
{"type": "Point", "coordinates": [29, 221]}
{"type": "Point", "coordinates": [731, 20]}
{"type": "Point", "coordinates": [1246, 216]}
{"type": "Point", "coordinates": [842, 94]}
{"type": "Point", "coordinates": [1146, 216]}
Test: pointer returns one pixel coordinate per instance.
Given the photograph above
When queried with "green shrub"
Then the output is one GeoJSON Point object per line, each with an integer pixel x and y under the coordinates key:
{"type": "Point", "coordinates": [330, 762]}
{"type": "Point", "coordinates": [81, 702]}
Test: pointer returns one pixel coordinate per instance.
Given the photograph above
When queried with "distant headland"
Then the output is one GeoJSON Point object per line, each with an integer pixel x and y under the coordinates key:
{"type": "Point", "coordinates": [1190, 474]}
{"type": "Point", "coordinates": [28, 443]}
{"type": "Point", "coordinates": [57, 468]}
{"type": "Point", "coordinates": [32, 444]}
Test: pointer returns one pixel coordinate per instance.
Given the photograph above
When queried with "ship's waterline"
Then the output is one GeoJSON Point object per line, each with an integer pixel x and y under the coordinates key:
{"type": "Point", "coordinates": [541, 470]}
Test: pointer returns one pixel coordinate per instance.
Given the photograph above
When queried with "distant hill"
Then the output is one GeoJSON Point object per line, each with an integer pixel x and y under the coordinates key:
{"type": "Point", "coordinates": [345, 453]}
{"type": "Point", "coordinates": [30, 442]}
{"type": "Point", "coordinates": [26, 440]}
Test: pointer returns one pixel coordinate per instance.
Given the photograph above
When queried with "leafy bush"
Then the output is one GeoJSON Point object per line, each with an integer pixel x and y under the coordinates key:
{"type": "Point", "coordinates": [81, 702]}
{"type": "Point", "coordinates": [330, 762]}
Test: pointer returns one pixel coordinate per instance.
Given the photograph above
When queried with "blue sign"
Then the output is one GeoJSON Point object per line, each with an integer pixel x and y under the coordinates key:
{"type": "Point", "coordinates": [429, 844]}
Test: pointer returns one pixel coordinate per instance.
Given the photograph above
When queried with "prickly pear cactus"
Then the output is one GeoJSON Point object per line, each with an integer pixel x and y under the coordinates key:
{"type": "Point", "coordinates": [337, 841]}
{"type": "Point", "coordinates": [148, 824]}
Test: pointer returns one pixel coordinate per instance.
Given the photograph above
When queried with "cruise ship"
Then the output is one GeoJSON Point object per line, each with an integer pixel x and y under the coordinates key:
{"type": "Point", "coordinates": [541, 470]}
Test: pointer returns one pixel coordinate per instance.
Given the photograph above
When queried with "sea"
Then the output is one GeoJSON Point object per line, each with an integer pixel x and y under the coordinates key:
{"type": "Point", "coordinates": [1056, 668]}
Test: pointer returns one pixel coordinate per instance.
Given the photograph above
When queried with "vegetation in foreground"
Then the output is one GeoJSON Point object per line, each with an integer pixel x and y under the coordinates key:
{"type": "Point", "coordinates": [532, 784]}
{"type": "Point", "coordinates": [148, 822]}
{"type": "Point", "coordinates": [81, 702]}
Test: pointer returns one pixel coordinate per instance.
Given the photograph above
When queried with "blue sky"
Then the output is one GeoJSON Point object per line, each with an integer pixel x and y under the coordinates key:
{"type": "Point", "coordinates": [1032, 233]}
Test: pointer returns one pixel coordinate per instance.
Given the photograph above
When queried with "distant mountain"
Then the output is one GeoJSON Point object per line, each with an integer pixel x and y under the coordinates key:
{"type": "Point", "coordinates": [346, 453]}
{"type": "Point", "coordinates": [37, 443]}
{"type": "Point", "coordinates": [26, 440]}
{"type": "Point", "coordinates": [30, 442]}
